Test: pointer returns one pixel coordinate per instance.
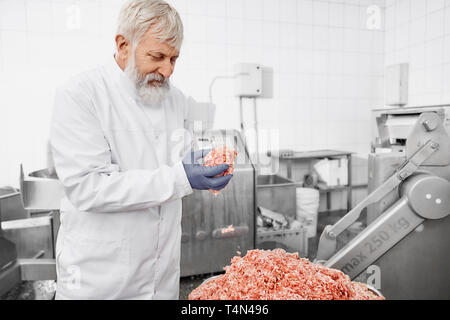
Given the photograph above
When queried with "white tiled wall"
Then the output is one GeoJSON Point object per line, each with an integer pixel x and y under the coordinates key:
{"type": "Point", "coordinates": [418, 33]}
{"type": "Point", "coordinates": [42, 43]}
{"type": "Point", "coordinates": [328, 67]}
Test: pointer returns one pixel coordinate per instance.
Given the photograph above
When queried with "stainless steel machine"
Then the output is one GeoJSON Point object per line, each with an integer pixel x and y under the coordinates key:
{"type": "Point", "coordinates": [27, 240]}
{"type": "Point", "coordinates": [408, 224]}
{"type": "Point", "coordinates": [393, 126]}
{"type": "Point", "coordinates": [217, 227]}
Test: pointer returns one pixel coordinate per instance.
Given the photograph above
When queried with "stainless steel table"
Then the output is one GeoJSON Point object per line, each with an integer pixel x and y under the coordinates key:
{"type": "Point", "coordinates": [317, 155]}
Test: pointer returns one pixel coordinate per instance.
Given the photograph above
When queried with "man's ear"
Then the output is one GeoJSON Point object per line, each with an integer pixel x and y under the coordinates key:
{"type": "Point", "coordinates": [123, 50]}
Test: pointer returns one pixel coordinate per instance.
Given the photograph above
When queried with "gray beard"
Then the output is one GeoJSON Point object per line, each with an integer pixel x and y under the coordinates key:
{"type": "Point", "coordinates": [149, 94]}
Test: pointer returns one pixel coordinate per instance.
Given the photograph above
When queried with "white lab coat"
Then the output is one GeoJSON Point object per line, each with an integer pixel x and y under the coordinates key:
{"type": "Point", "coordinates": [120, 165]}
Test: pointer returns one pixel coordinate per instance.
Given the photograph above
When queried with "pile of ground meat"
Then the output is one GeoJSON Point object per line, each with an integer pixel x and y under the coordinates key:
{"type": "Point", "coordinates": [277, 275]}
{"type": "Point", "coordinates": [220, 156]}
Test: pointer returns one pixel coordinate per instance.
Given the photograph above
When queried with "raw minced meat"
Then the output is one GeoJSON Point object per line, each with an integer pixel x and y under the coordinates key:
{"type": "Point", "coordinates": [220, 156]}
{"type": "Point", "coordinates": [277, 275]}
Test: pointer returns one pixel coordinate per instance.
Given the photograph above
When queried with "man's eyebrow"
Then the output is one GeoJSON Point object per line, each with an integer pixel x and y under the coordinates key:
{"type": "Point", "coordinates": [161, 53]}
{"type": "Point", "coordinates": [157, 52]}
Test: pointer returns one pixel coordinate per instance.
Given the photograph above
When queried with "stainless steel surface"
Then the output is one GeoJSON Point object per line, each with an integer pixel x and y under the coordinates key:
{"type": "Point", "coordinates": [396, 124]}
{"type": "Point", "coordinates": [316, 154]}
{"type": "Point", "coordinates": [418, 266]}
{"type": "Point", "coordinates": [8, 255]}
{"type": "Point", "coordinates": [376, 239]}
{"type": "Point", "coordinates": [8, 252]}
{"type": "Point", "coordinates": [30, 236]}
{"type": "Point", "coordinates": [381, 167]}
{"type": "Point", "coordinates": [9, 276]}
{"type": "Point", "coordinates": [202, 250]}
{"type": "Point", "coordinates": [27, 238]}
{"type": "Point", "coordinates": [229, 232]}
{"type": "Point", "coordinates": [11, 207]}
{"type": "Point", "coordinates": [429, 196]}
{"type": "Point", "coordinates": [37, 269]}
{"type": "Point", "coordinates": [327, 244]}
{"type": "Point", "coordinates": [41, 190]}
{"type": "Point", "coordinates": [420, 135]}
{"type": "Point", "coordinates": [409, 239]}
{"type": "Point", "coordinates": [276, 193]}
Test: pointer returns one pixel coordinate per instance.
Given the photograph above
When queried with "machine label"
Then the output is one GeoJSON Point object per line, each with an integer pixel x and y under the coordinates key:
{"type": "Point", "coordinates": [377, 241]}
{"type": "Point", "coordinates": [400, 224]}
{"type": "Point", "coordinates": [374, 243]}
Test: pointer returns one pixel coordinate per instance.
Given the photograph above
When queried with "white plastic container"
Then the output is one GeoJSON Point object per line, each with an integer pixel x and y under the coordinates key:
{"type": "Point", "coordinates": [334, 172]}
{"type": "Point", "coordinates": [308, 201]}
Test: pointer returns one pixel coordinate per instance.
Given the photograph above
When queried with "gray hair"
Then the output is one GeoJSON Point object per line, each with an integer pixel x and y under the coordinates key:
{"type": "Point", "coordinates": [137, 16]}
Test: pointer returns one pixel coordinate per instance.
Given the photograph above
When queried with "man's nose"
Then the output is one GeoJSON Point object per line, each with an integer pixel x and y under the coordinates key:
{"type": "Point", "coordinates": [166, 69]}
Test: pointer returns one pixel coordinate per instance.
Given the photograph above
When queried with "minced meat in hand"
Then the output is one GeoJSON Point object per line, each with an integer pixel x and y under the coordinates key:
{"type": "Point", "coordinates": [277, 275]}
{"type": "Point", "coordinates": [221, 156]}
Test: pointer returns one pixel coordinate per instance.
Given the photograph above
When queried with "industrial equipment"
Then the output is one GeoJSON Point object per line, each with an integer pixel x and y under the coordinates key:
{"type": "Point", "coordinates": [407, 235]}
{"type": "Point", "coordinates": [276, 207]}
{"type": "Point", "coordinates": [11, 205]}
{"type": "Point", "coordinates": [216, 227]}
{"type": "Point", "coordinates": [276, 193]}
{"type": "Point", "coordinates": [393, 126]}
{"type": "Point", "coordinates": [396, 84]}
{"type": "Point", "coordinates": [27, 242]}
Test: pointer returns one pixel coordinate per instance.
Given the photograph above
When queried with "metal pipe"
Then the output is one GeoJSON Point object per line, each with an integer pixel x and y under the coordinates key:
{"type": "Point", "coordinates": [256, 134]}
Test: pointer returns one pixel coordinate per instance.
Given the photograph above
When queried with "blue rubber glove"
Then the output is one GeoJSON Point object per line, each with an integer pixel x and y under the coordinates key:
{"type": "Point", "coordinates": [204, 178]}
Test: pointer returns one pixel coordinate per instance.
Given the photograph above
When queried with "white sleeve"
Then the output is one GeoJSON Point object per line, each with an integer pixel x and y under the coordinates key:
{"type": "Point", "coordinates": [91, 181]}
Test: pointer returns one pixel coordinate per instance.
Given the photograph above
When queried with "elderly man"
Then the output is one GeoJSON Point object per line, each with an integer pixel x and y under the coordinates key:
{"type": "Point", "coordinates": [123, 173]}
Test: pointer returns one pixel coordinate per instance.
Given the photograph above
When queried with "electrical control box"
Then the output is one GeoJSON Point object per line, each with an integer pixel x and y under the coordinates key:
{"type": "Point", "coordinates": [397, 77]}
{"type": "Point", "coordinates": [248, 80]}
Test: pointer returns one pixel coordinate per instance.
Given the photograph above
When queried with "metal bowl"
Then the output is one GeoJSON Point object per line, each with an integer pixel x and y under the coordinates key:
{"type": "Point", "coordinates": [209, 279]}
{"type": "Point", "coordinates": [372, 289]}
